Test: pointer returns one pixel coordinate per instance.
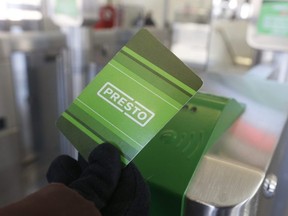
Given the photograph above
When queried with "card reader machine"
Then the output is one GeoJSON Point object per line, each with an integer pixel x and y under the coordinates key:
{"type": "Point", "coordinates": [225, 169]}
{"type": "Point", "coordinates": [237, 149]}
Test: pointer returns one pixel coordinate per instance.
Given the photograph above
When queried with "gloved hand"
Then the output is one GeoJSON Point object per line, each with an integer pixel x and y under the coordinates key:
{"type": "Point", "coordinates": [115, 191]}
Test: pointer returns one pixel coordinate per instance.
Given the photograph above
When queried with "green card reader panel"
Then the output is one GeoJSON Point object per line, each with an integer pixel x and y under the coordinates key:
{"type": "Point", "coordinates": [231, 165]}
{"type": "Point", "coordinates": [170, 159]}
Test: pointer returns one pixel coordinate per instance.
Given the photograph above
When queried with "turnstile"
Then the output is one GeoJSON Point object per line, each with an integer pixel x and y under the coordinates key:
{"type": "Point", "coordinates": [37, 65]}
{"type": "Point", "coordinates": [31, 98]}
{"type": "Point", "coordinates": [239, 173]}
{"type": "Point", "coordinates": [10, 186]}
{"type": "Point", "coordinates": [232, 175]}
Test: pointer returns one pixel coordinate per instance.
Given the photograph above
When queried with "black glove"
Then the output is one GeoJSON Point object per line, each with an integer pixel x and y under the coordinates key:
{"type": "Point", "coordinates": [115, 191]}
{"type": "Point", "coordinates": [131, 197]}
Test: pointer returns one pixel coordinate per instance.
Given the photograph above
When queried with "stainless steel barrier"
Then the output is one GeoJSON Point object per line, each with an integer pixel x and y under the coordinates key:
{"type": "Point", "coordinates": [9, 129]}
{"type": "Point", "coordinates": [31, 98]}
{"type": "Point", "coordinates": [35, 58]}
{"type": "Point", "coordinates": [234, 177]}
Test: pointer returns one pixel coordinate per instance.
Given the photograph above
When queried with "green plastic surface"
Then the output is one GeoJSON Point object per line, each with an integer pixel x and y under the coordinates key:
{"type": "Point", "coordinates": [169, 160]}
{"type": "Point", "coordinates": [124, 103]}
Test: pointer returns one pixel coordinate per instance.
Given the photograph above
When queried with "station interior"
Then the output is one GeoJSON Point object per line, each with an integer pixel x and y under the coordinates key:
{"type": "Point", "coordinates": [239, 48]}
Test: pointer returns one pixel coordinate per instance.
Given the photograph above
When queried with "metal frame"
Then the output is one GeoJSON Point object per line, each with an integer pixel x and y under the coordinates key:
{"type": "Point", "coordinates": [228, 180]}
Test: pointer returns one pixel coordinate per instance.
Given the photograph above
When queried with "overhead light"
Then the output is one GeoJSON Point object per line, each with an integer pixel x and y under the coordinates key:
{"type": "Point", "coordinates": [245, 10]}
{"type": "Point", "coordinates": [216, 2]}
{"type": "Point", "coordinates": [233, 4]}
{"type": "Point", "coordinates": [24, 2]}
{"type": "Point", "coordinates": [18, 15]}
{"type": "Point", "coordinates": [3, 10]}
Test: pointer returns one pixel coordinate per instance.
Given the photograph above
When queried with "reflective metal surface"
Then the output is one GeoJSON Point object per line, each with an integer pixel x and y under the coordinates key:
{"type": "Point", "coordinates": [229, 178]}
{"type": "Point", "coordinates": [9, 131]}
{"type": "Point", "coordinates": [191, 44]}
{"type": "Point", "coordinates": [7, 103]}
{"type": "Point", "coordinates": [228, 49]}
{"type": "Point", "coordinates": [4, 46]}
{"type": "Point", "coordinates": [33, 41]}
{"type": "Point", "coordinates": [29, 107]}
{"type": "Point", "coordinates": [270, 185]}
{"type": "Point", "coordinates": [277, 204]}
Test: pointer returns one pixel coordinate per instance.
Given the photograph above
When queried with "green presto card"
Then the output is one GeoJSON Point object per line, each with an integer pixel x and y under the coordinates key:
{"type": "Point", "coordinates": [131, 99]}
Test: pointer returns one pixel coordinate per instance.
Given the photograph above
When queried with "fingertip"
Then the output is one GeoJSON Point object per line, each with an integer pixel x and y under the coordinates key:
{"type": "Point", "coordinates": [63, 169]}
{"type": "Point", "coordinates": [82, 162]}
{"type": "Point", "coordinates": [103, 152]}
{"type": "Point", "coordinates": [132, 195]}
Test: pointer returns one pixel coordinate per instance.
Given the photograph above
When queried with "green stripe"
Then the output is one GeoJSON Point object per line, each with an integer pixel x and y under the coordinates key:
{"type": "Point", "coordinates": [107, 125]}
{"type": "Point", "coordinates": [147, 46]}
{"type": "Point", "coordinates": [152, 77]}
{"type": "Point", "coordinates": [77, 118]}
{"type": "Point", "coordinates": [156, 77]}
{"type": "Point", "coordinates": [82, 128]}
{"type": "Point", "coordinates": [84, 136]}
{"type": "Point", "coordinates": [159, 70]}
{"type": "Point", "coordinates": [124, 160]}
{"type": "Point", "coordinates": [126, 72]}
{"type": "Point", "coordinates": [97, 128]}
{"type": "Point", "coordinates": [83, 143]}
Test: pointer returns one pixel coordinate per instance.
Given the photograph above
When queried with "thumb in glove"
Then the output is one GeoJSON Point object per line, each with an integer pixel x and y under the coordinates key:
{"type": "Point", "coordinates": [100, 178]}
{"type": "Point", "coordinates": [96, 181]}
{"type": "Point", "coordinates": [64, 169]}
{"type": "Point", "coordinates": [131, 196]}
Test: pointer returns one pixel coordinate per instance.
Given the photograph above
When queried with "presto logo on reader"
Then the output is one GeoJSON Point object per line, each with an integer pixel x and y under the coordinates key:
{"type": "Point", "coordinates": [126, 104]}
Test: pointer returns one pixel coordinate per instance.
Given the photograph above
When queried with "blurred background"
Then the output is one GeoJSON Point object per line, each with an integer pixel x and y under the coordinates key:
{"type": "Point", "coordinates": [50, 50]}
